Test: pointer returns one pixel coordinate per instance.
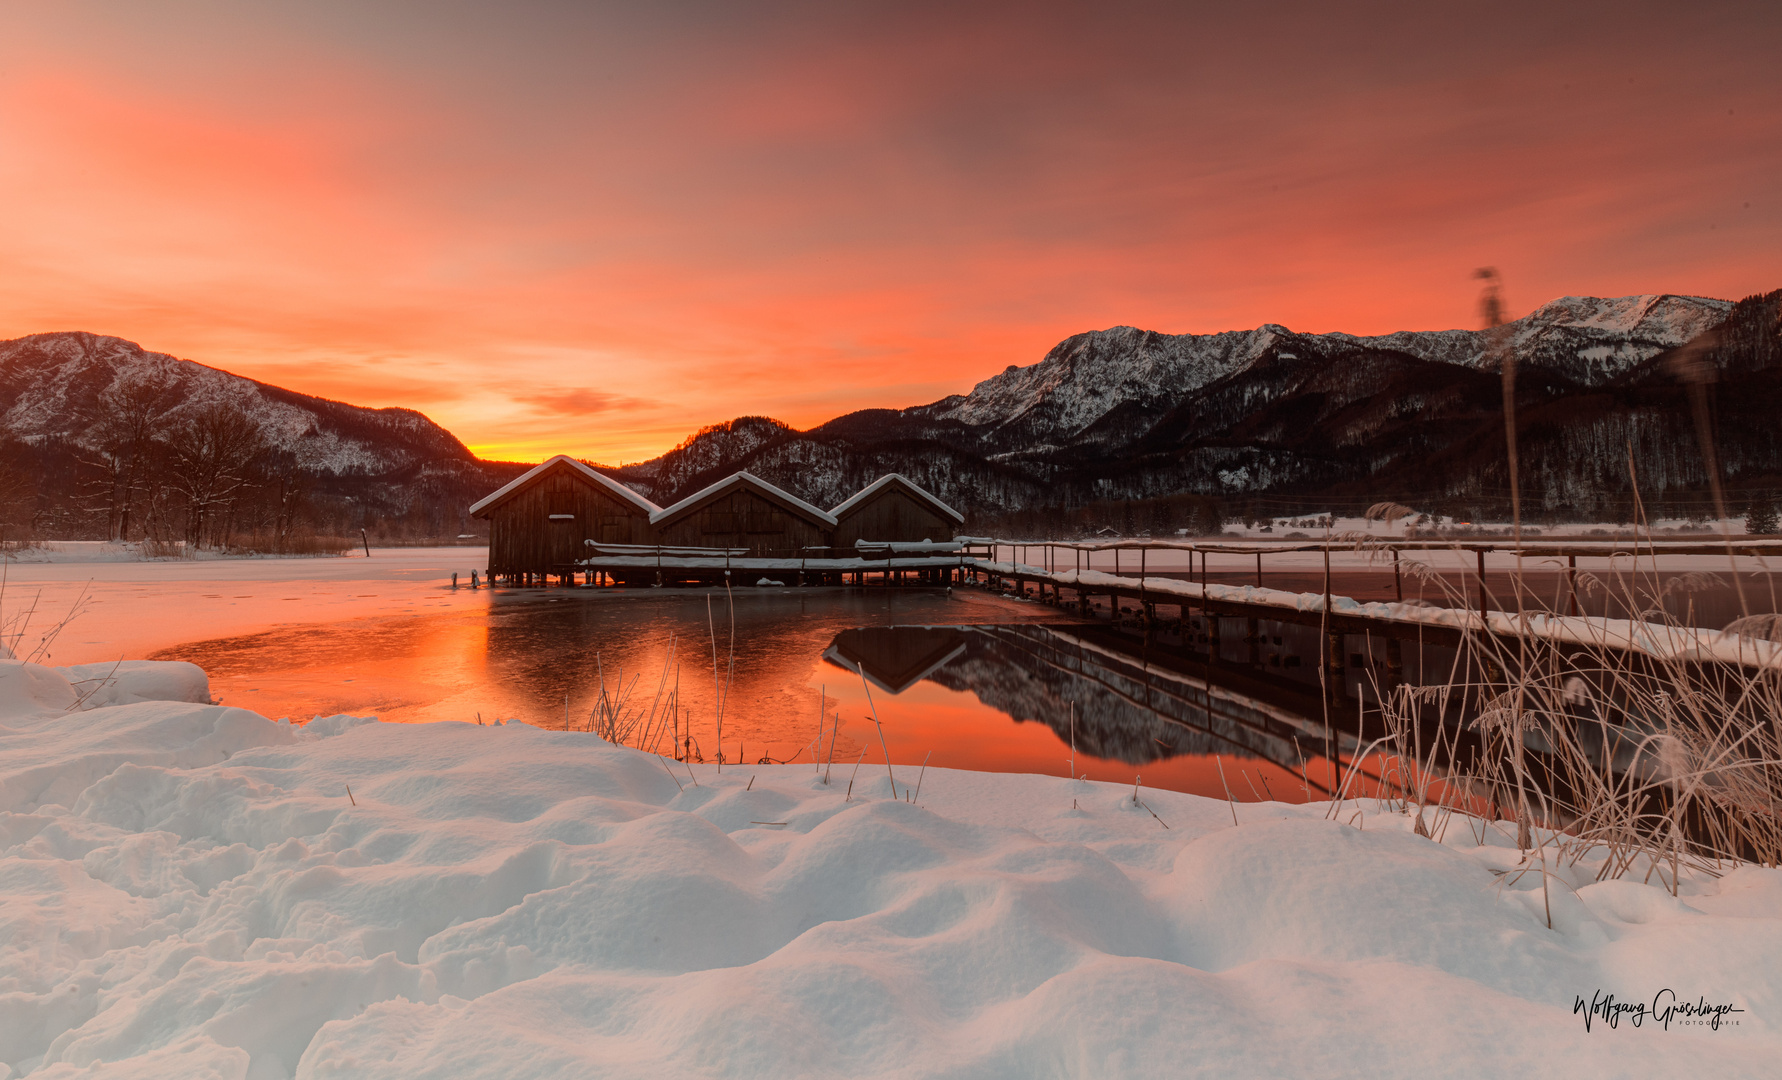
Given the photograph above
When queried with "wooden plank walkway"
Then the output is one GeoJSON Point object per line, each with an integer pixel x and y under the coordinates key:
{"type": "Point", "coordinates": [1336, 616]}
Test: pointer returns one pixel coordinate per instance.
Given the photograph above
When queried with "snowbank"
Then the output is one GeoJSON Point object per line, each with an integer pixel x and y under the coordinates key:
{"type": "Point", "coordinates": [193, 890]}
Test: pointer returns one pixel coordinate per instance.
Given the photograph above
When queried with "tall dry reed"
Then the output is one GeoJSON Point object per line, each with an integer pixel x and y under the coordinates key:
{"type": "Point", "coordinates": [1655, 760]}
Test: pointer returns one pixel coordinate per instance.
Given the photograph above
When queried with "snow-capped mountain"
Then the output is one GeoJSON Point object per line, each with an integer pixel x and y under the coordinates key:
{"type": "Point", "coordinates": [1129, 414]}
{"type": "Point", "coordinates": [54, 387]}
{"type": "Point", "coordinates": [1110, 415]}
{"type": "Point", "coordinates": [1090, 376]}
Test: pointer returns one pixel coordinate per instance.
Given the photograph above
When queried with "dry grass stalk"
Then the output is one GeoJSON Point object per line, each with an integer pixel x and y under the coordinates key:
{"type": "Point", "coordinates": [1659, 765]}
{"type": "Point", "coordinates": [881, 730]}
{"type": "Point", "coordinates": [1229, 801]}
{"type": "Point", "coordinates": [15, 629]}
{"type": "Point", "coordinates": [615, 719]}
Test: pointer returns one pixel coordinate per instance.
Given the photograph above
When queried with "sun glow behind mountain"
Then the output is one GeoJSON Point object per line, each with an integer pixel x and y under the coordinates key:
{"type": "Point", "coordinates": [593, 230]}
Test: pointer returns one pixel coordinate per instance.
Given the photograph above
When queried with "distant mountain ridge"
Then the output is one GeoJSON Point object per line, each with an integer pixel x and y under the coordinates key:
{"type": "Point", "coordinates": [52, 387]}
{"type": "Point", "coordinates": [1112, 415]}
{"type": "Point", "coordinates": [1124, 414]}
{"type": "Point", "coordinates": [391, 471]}
{"type": "Point", "coordinates": [1089, 377]}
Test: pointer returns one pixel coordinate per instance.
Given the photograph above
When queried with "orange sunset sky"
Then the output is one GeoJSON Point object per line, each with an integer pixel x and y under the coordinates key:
{"type": "Point", "coordinates": [592, 228]}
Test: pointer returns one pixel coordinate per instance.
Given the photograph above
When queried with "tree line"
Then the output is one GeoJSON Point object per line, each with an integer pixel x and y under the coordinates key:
{"type": "Point", "coordinates": [151, 468]}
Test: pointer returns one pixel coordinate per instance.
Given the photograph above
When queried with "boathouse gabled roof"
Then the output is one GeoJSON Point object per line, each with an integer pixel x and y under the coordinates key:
{"type": "Point", "coordinates": [750, 481]}
{"type": "Point", "coordinates": [624, 493]}
{"type": "Point", "coordinates": [901, 481]}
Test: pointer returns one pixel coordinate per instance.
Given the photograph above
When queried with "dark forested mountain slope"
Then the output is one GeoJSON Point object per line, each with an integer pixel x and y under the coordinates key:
{"type": "Point", "coordinates": [1130, 414]}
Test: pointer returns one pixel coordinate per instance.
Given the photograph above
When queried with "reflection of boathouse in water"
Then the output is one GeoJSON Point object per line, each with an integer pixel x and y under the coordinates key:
{"type": "Point", "coordinates": [895, 658]}
{"type": "Point", "coordinates": [1127, 708]}
{"type": "Point", "coordinates": [564, 515]}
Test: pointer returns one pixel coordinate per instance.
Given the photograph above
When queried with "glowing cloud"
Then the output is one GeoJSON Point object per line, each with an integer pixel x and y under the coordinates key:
{"type": "Point", "coordinates": [590, 230]}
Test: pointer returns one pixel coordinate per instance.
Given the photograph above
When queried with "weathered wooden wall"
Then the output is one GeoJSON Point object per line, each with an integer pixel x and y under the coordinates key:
{"type": "Point", "coordinates": [524, 539]}
{"type": "Point", "coordinates": [741, 518]}
{"type": "Point", "coordinates": [892, 514]}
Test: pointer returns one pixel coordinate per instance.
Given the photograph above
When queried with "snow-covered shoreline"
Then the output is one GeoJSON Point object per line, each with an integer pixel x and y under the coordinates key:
{"type": "Point", "coordinates": [61, 552]}
{"type": "Point", "coordinates": [194, 890]}
{"type": "Point", "coordinates": [133, 608]}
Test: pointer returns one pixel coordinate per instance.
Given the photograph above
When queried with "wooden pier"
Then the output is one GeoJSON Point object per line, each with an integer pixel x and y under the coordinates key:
{"type": "Point", "coordinates": [1064, 573]}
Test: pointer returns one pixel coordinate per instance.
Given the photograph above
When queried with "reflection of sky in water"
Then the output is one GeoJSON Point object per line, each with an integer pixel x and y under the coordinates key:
{"type": "Point", "coordinates": [966, 697]}
{"type": "Point", "coordinates": [996, 697]}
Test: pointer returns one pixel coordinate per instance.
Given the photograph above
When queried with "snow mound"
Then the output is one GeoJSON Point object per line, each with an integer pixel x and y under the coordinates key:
{"type": "Point", "coordinates": [193, 890]}
{"type": "Point", "coordinates": [129, 681]}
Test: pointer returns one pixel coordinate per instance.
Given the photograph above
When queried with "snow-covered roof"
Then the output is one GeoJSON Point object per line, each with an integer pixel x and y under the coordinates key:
{"type": "Point", "coordinates": [910, 485]}
{"type": "Point", "coordinates": [600, 478]}
{"type": "Point", "coordinates": [659, 516]}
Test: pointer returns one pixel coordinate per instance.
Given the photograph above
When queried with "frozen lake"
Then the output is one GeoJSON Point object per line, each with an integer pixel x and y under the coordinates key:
{"type": "Point", "coordinates": [961, 679]}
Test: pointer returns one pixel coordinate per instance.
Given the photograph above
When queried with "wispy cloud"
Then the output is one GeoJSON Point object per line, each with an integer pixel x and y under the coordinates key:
{"type": "Point", "coordinates": [584, 402]}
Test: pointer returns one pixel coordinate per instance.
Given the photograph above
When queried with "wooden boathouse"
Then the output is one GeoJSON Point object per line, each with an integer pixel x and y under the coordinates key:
{"type": "Point", "coordinates": [540, 522]}
{"type": "Point", "coordinates": [744, 511]}
{"type": "Point", "coordinates": [893, 509]}
{"type": "Point", "coordinates": [567, 520]}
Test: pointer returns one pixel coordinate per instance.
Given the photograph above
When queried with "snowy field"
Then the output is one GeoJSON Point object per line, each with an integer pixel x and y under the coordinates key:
{"type": "Point", "coordinates": [189, 891]}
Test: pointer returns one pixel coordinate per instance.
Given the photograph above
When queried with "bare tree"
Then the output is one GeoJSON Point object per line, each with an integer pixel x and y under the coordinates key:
{"type": "Point", "coordinates": [18, 497]}
{"type": "Point", "coordinates": [132, 419]}
{"type": "Point", "coordinates": [288, 487]}
{"type": "Point", "coordinates": [211, 452]}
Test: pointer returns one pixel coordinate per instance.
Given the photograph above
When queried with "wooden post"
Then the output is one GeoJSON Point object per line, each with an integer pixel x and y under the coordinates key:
{"type": "Point", "coordinates": [1334, 651]}
{"type": "Point", "coordinates": [1331, 648]}
{"type": "Point", "coordinates": [1481, 553]}
{"type": "Point", "coordinates": [1398, 583]}
{"type": "Point", "coordinates": [1571, 585]}
{"type": "Point", "coordinates": [1259, 568]}
{"type": "Point", "coordinates": [1327, 611]}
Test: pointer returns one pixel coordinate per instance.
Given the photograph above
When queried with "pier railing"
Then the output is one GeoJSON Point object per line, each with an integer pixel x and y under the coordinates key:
{"type": "Point", "coordinates": [1070, 565]}
{"type": "Point", "coordinates": [1080, 553]}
